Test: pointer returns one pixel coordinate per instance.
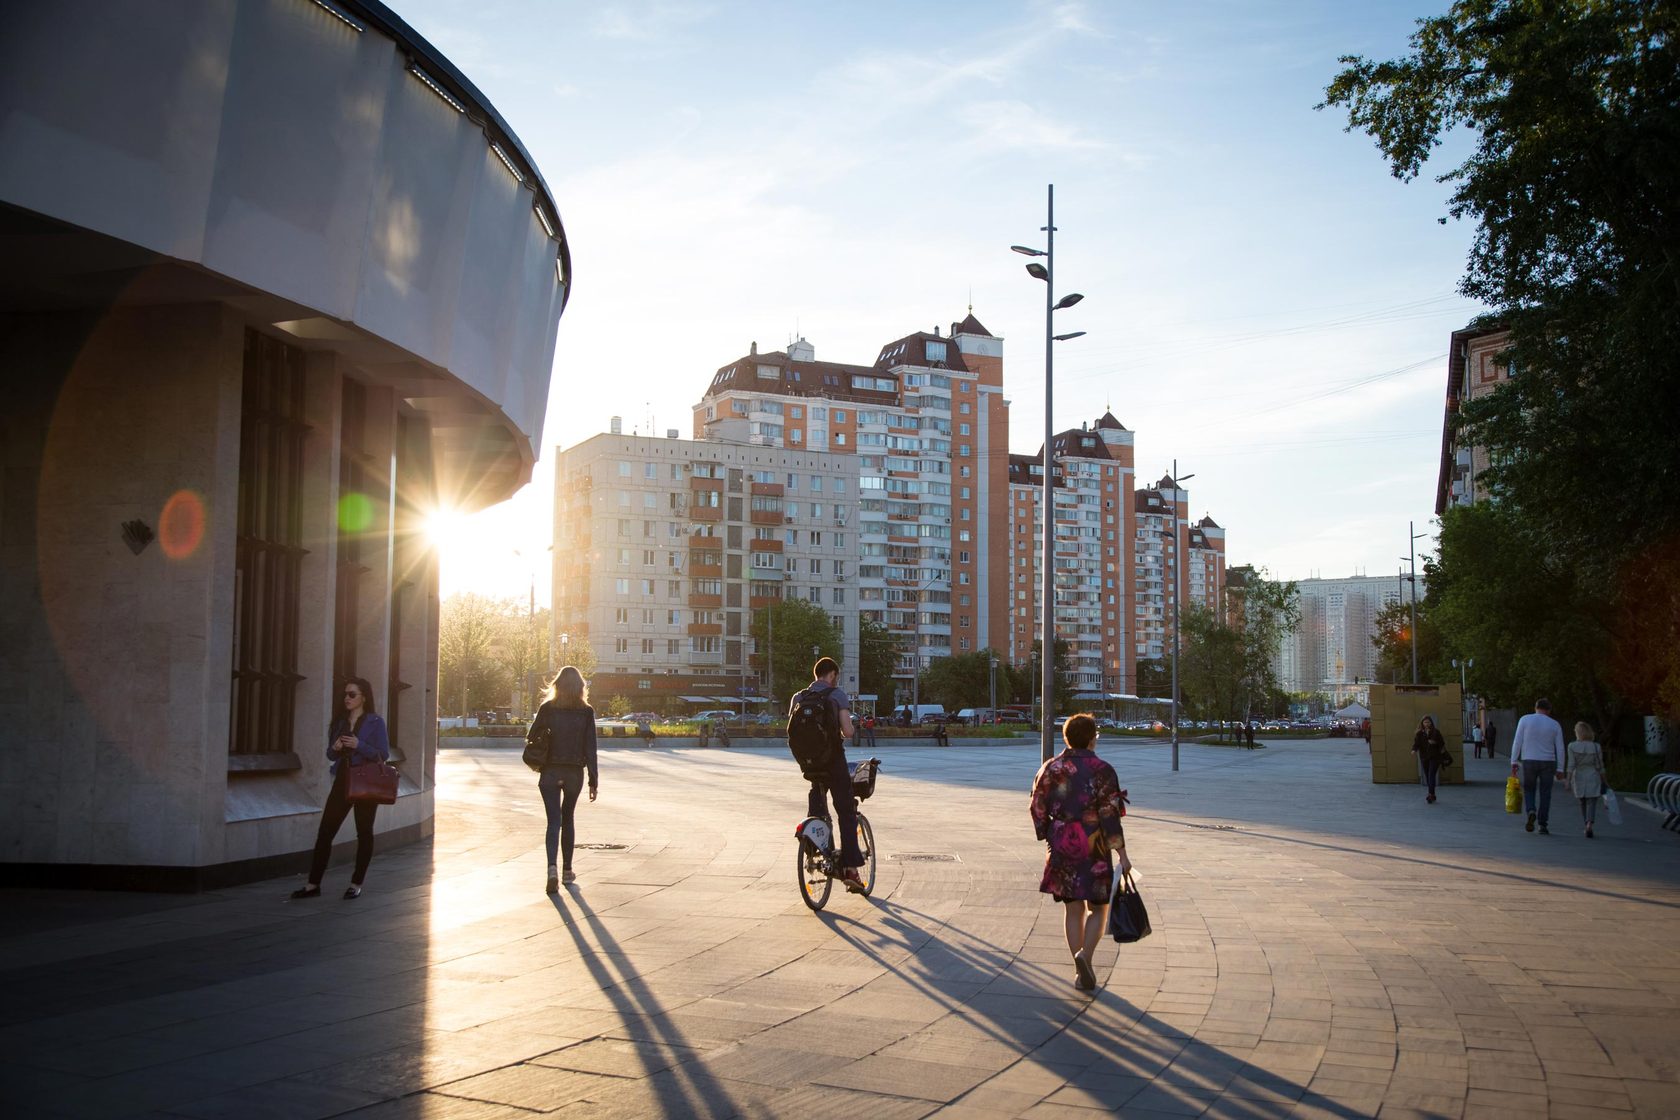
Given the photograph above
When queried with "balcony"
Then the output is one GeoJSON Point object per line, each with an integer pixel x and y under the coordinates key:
{"type": "Point", "coordinates": [765, 516]}
{"type": "Point", "coordinates": [705, 571]}
{"type": "Point", "coordinates": [764, 546]}
{"type": "Point", "coordinates": [766, 489]}
{"type": "Point", "coordinates": [705, 629]}
{"type": "Point", "coordinates": [701, 602]}
{"type": "Point", "coordinates": [697, 484]}
{"type": "Point", "coordinates": [706, 513]}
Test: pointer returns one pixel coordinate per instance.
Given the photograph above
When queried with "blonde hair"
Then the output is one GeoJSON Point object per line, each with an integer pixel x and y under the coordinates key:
{"type": "Point", "coordinates": [567, 689]}
{"type": "Point", "coordinates": [1584, 731]}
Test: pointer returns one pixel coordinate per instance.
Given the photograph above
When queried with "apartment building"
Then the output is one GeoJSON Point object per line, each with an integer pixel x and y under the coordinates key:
{"type": "Point", "coordinates": [1331, 650]}
{"type": "Point", "coordinates": [663, 548]}
{"type": "Point", "coordinates": [927, 431]}
{"type": "Point", "coordinates": [1114, 554]}
{"type": "Point", "coordinates": [1474, 370]}
{"type": "Point", "coordinates": [884, 491]}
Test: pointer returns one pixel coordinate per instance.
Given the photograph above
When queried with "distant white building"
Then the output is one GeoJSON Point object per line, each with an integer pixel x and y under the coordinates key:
{"type": "Point", "coordinates": [1331, 649]}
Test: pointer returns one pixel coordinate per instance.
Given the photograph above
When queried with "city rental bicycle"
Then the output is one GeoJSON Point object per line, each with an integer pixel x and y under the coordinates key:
{"type": "Point", "coordinates": [817, 863]}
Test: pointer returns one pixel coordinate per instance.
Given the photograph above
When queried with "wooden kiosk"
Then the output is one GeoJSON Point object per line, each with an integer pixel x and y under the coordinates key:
{"type": "Point", "coordinates": [1396, 710]}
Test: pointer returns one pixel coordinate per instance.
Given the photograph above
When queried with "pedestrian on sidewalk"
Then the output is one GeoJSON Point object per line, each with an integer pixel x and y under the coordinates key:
{"type": "Point", "coordinates": [705, 733]}
{"type": "Point", "coordinates": [355, 737]}
{"type": "Point", "coordinates": [1076, 808]}
{"type": "Point", "coordinates": [569, 722]}
{"type": "Point", "coordinates": [940, 737]}
{"type": "Point", "coordinates": [1537, 753]}
{"type": "Point", "coordinates": [1586, 773]}
{"type": "Point", "coordinates": [1476, 738]}
{"type": "Point", "coordinates": [723, 733]}
{"type": "Point", "coordinates": [1431, 750]}
{"type": "Point", "coordinates": [1492, 739]}
{"type": "Point", "coordinates": [869, 730]}
{"type": "Point", "coordinates": [1248, 734]}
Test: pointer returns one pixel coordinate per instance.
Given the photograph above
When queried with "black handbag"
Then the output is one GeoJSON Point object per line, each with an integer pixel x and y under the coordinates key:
{"type": "Point", "coordinates": [537, 743]}
{"type": "Point", "coordinates": [1128, 920]}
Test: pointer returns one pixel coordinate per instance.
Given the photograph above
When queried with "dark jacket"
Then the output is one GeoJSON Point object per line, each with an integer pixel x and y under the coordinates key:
{"type": "Point", "coordinates": [372, 742]}
{"type": "Point", "coordinates": [572, 736]}
{"type": "Point", "coordinates": [1429, 746]}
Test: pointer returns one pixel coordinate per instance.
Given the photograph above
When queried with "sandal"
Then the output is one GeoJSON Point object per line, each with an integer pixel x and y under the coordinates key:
{"type": "Point", "coordinates": [307, 892]}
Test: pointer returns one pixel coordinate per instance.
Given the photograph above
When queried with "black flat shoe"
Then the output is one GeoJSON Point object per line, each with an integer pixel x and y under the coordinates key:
{"type": "Point", "coordinates": [352, 891]}
{"type": "Point", "coordinates": [307, 892]}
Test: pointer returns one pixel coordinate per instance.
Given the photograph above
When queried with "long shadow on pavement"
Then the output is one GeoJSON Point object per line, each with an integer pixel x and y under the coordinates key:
{"type": "Point", "coordinates": [1167, 1073]}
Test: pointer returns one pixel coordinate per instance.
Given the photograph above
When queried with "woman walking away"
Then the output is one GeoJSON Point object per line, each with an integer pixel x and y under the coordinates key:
{"type": "Point", "coordinates": [1431, 750]}
{"type": "Point", "coordinates": [1076, 807]}
{"type": "Point", "coordinates": [1586, 773]}
{"type": "Point", "coordinates": [355, 737]}
{"type": "Point", "coordinates": [569, 722]}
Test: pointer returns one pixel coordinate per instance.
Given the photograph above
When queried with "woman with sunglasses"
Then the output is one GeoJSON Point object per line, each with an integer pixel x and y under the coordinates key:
{"type": "Point", "coordinates": [355, 737]}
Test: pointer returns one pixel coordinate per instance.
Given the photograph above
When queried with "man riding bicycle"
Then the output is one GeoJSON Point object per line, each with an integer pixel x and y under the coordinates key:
{"type": "Point", "coordinates": [837, 778]}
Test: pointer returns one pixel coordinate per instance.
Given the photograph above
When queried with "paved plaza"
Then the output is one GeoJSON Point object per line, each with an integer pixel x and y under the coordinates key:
{"type": "Point", "coordinates": [1324, 947]}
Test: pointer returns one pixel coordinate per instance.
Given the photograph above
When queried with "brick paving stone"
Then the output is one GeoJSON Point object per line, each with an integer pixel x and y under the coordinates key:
{"type": "Point", "coordinates": [1324, 956]}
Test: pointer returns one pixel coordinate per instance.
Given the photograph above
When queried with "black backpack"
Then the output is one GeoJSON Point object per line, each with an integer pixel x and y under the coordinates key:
{"type": "Point", "coordinates": [812, 731]}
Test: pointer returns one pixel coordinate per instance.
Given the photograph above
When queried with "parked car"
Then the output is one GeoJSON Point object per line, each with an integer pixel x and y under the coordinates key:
{"type": "Point", "coordinates": [715, 715]}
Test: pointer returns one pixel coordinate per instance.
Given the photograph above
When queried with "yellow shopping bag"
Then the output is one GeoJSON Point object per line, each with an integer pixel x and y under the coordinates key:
{"type": "Point", "coordinates": [1513, 795]}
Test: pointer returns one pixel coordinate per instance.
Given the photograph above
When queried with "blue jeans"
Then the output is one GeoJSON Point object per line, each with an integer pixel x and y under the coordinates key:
{"type": "Point", "coordinates": [1432, 774]}
{"type": "Point", "coordinates": [1538, 774]}
{"type": "Point", "coordinates": [838, 782]}
{"type": "Point", "coordinates": [555, 781]}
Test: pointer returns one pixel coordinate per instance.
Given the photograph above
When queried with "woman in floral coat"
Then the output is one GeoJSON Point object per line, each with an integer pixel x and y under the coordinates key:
{"type": "Point", "coordinates": [1077, 804]}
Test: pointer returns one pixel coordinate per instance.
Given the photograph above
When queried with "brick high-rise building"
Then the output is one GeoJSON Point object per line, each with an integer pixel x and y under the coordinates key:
{"type": "Point", "coordinates": [928, 429]}
{"type": "Point", "coordinates": [935, 533]}
{"type": "Point", "coordinates": [1474, 369]}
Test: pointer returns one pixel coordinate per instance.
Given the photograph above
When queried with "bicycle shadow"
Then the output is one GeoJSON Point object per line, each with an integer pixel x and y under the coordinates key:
{"type": "Point", "coordinates": [1106, 1050]}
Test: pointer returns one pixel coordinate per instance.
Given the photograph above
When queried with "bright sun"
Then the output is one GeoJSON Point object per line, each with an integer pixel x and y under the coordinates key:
{"type": "Point", "coordinates": [444, 527]}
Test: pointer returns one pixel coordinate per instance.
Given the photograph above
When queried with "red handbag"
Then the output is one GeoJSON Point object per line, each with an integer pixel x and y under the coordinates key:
{"type": "Point", "coordinates": [375, 782]}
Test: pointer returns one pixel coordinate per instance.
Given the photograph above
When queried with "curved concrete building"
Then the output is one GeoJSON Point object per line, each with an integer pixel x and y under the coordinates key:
{"type": "Point", "coordinates": [278, 281]}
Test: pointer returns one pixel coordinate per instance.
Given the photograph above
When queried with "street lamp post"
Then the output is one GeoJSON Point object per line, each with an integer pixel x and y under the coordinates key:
{"type": "Point", "coordinates": [992, 680]}
{"type": "Point", "coordinates": [1411, 529]}
{"type": "Point", "coordinates": [1177, 586]}
{"type": "Point", "coordinates": [1047, 580]}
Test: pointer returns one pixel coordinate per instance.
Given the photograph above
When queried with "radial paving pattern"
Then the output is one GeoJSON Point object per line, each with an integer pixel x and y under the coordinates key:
{"type": "Point", "coordinates": [1323, 947]}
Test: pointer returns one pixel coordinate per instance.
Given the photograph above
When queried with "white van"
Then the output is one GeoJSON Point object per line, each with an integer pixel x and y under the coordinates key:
{"type": "Point", "coordinates": [976, 717]}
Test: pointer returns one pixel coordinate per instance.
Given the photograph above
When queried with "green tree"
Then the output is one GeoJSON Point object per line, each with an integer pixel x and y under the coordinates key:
{"type": "Point", "coordinates": [877, 658]}
{"type": "Point", "coordinates": [1574, 110]}
{"type": "Point", "coordinates": [471, 674]}
{"type": "Point", "coordinates": [1211, 682]}
{"type": "Point", "coordinates": [964, 681]}
{"type": "Point", "coordinates": [1154, 677]}
{"type": "Point", "coordinates": [784, 635]}
{"type": "Point", "coordinates": [574, 650]}
{"type": "Point", "coordinates": [1263, 610]}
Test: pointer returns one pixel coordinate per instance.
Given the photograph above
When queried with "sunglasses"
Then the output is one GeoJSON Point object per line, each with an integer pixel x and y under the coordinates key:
{"type": "Point", "coordinates": [351, 695]}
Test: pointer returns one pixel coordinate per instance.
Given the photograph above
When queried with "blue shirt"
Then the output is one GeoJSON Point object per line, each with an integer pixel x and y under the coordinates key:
{"type": "Point", "coordinates": [372, 743]}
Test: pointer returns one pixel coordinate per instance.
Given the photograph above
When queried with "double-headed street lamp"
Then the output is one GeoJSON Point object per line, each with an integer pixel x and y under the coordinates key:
{"type": "Point", "coordinates": [1047, 273]}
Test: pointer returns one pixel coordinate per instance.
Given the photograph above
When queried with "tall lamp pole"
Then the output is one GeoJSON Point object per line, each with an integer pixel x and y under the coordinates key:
{"type": "Point", "coordinates": [1047, 579]}
{"type": "Point", "coordinates": [1177, 586]}
{"type": "Point", "coordinates": [1411, 546]}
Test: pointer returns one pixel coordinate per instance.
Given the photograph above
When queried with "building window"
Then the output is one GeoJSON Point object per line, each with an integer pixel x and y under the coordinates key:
{"type": "Point", "coordinates": [268, 555]}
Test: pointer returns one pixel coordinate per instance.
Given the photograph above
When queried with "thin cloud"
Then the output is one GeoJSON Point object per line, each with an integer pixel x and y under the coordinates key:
{"type": "Point", "coordinates": [1017, 126]}
{"type": "Point", "coordinates": [644, 22]}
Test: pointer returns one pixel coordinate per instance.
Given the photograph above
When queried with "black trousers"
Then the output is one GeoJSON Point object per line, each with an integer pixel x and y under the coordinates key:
{"type": "Point", "coordinates": [837, 785]}
{"type": "Point", "coordinates": [332, 819]}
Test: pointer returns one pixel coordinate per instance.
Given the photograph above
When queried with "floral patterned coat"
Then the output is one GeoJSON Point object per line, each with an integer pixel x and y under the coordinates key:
{"type": "Point", "coordinates": [1076, 806]}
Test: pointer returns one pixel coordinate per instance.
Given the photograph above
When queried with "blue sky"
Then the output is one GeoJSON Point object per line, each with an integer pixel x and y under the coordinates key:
{"type": "Point", "coordinates": [1263, 300]}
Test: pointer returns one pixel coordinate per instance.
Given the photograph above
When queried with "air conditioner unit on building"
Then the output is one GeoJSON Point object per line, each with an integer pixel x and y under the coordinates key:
{"type": "Point", "coordinates": [790, 520]}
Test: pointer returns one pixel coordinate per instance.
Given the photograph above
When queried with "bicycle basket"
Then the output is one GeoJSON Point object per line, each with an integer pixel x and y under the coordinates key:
{"type": "Point", "coordinates": [863, 778]}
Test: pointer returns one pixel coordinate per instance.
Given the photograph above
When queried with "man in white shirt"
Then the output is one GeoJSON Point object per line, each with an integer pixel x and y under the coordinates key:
{"type": "Point", "coordinates": [1537, 752]}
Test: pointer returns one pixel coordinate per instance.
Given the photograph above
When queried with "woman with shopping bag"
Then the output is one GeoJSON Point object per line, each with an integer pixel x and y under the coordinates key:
{"type": "Point", "coordinates": [1586, 773]}
{"type": "Point", "coordinates": [1076, 808]}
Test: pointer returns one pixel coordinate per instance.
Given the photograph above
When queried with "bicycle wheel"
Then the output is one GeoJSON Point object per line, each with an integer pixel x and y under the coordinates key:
{"type": "Point", "coordinates": [814, 883]}
{"type": "Point", "coordinates": [866, 845]}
